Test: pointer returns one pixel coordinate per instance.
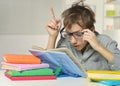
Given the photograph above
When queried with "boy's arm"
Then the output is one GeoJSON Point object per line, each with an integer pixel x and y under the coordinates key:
{"type": "Point", "coordinates": [53, 27]}
{"type": "Point", "coordinates": [51, 42]}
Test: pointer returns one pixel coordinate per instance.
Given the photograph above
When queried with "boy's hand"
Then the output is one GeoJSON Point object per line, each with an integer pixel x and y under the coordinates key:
{"type": "Point", "coordinates": [53, 25]}
{"type": "Point", "coordinates": [90, 37]}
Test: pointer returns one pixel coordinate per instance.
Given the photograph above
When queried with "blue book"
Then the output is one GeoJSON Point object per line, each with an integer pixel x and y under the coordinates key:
{"type": "Point", "coordinates": [61, 57]}
{"type": "Point", "coordinates": [110, 82]}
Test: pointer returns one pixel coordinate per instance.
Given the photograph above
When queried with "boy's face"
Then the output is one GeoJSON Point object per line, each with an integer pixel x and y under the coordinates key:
{"type": "Point", "coordinates": [75, 36]}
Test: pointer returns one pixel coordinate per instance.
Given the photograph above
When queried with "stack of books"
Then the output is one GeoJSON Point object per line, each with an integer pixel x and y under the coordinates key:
{"type": "Point", "coordinates": [107, 77]}
{"type": "Point", "coordinates": [26, 67]}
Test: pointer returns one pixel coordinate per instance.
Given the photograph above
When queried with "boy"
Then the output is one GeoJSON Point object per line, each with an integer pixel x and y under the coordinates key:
{"type": "Point", "coordinates": [94, 50]}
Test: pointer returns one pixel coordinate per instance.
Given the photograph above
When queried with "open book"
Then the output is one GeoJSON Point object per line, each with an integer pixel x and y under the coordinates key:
{"type": "Point", "coordinates": [60, 57]}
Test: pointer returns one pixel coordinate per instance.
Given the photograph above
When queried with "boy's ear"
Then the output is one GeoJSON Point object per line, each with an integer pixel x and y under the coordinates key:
{"type": "Point", "coordinates": [93, 28]}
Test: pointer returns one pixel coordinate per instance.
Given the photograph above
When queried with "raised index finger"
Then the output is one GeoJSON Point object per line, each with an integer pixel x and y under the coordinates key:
{"type": "Point", "coordinates": [52, 13]}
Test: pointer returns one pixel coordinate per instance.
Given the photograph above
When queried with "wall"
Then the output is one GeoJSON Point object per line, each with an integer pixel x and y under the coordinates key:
{"type": "Point", "coordinates": [20, 43]}
{"type": "Point", "coordinates": [26, 16]}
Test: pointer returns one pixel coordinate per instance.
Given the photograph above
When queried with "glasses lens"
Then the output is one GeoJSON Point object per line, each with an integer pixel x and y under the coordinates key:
{"type": "Point", "coordinates": [76, 35]}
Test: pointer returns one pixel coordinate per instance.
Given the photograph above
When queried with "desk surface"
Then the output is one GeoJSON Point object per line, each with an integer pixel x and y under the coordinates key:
{"type": "Point", "coordinates": [66, 81]}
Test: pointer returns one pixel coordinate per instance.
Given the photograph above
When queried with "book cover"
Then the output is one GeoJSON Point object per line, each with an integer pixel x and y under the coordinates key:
{"type": "Point", "coordinates": [98, 75]}
{"type": "Point", "coordinates": [21, 67]}
{"type": "Point", "coordinates": [18, 78]}
{"type": "Point", "coordinates": [110, 82]}
{"type": "Point", "coordinates": [21, 59]}
{"type": "Point", "coordinates": [33, 72]}
{"type": "Point", "coordinates": [61, 57]}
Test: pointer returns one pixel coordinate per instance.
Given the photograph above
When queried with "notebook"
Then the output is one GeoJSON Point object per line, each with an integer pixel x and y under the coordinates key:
{"type": "Point", "coordinates": [21, 67]}
{"type": "Point", "coordinates": [61, 57]}
{"type": "Point", "coordinates": [110, 82]}
{"type": "Point", "coordinates": [21, 59]}
{"type": "Point", "coordinates": [18, 78]}
{"type": "Point", "coordinates": [32, 72]}
{"type": "Point", "coordinates": [98, 75]}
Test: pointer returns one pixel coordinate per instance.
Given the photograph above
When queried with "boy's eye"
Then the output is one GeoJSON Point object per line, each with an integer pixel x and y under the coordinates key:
{"type": "Point", "coordinates": [79, 33]}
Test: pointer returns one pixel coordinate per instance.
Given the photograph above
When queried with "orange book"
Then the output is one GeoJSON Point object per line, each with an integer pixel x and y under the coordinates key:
{"type": "Point", "coordinates": [21, 59]}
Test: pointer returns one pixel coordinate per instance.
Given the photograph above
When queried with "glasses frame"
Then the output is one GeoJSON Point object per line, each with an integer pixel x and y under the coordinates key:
{"type": "Point", "coordinates": [76, 35]}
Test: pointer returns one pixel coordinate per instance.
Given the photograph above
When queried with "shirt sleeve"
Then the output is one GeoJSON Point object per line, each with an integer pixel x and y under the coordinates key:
{"type": "Point", "coordinates": [111, 45]}
{"type": "Point", "coordinates": [115, 63]}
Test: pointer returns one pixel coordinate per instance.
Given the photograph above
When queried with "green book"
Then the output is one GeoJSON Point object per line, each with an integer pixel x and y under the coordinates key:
{"type": "Point", "coordinates": [33, 72]}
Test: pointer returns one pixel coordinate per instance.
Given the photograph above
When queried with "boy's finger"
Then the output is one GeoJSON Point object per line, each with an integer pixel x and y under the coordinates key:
{"type": "Point", "coordinates": [52, 13]}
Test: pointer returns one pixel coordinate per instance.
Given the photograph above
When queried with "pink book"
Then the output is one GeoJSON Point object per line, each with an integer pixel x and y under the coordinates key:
{"type": "Point", "coordinates": [21, 67]}
{"type": "Point", "coordinates": [15, 78]}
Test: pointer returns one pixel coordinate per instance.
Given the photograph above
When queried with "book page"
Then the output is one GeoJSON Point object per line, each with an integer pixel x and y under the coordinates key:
{"type": "Point", "coordinates": [70, 54]}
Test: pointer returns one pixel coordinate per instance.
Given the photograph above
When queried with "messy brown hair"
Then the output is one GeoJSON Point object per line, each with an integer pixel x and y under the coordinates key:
{"type": "Point", "coordinates": [79, 14]}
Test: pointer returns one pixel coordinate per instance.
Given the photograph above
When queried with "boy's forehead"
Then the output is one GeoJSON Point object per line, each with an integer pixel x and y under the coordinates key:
{"type": "Point", "coordinates": [74, 27]}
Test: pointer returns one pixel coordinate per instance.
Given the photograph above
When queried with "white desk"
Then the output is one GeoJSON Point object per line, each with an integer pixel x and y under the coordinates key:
{"type": "Point", "coordinates": [66, 81]}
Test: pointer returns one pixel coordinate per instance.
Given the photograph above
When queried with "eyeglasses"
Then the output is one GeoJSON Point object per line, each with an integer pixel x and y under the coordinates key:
{"type": "Point", "coordinates": [76, 35]}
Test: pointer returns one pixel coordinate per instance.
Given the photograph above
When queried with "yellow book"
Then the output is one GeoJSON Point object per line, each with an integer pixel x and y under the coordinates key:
{"type": "Point", "coordinates": [98, 75]}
